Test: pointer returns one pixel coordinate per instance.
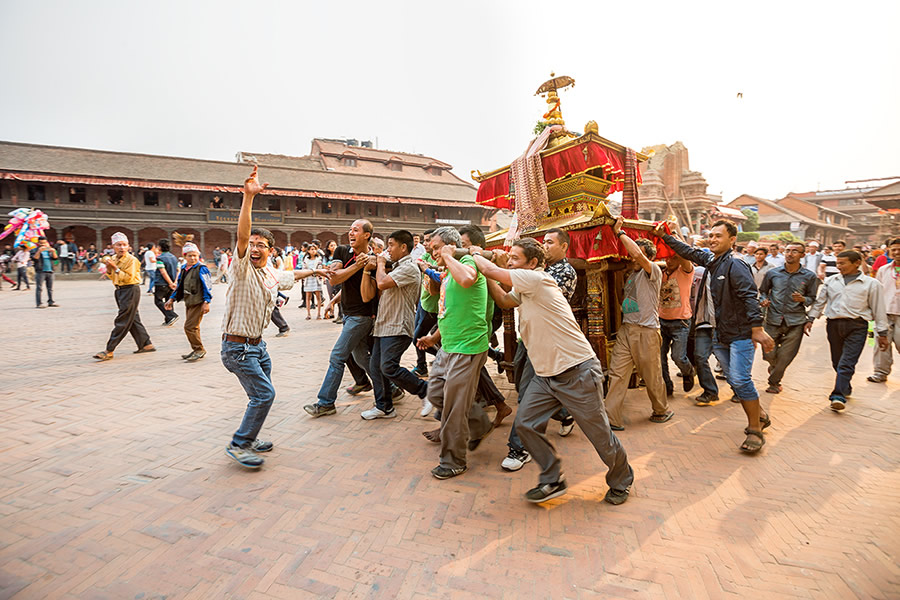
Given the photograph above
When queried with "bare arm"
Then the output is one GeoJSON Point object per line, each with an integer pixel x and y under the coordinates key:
{"type": "Point", "coordinates": [464, 275]}
{"type": "Point", "coordinates": [382, 279]}
{"type": "Point", "coordinates": [251, 188]}
{"type": "Point", "coordinates": [367, 288]}
{"type": "Point", "coordinates": [492, 271]}
{"type": "Point", "coordinates": [342, 275]}
{"type": "Point", "coordinates": [634, 251]}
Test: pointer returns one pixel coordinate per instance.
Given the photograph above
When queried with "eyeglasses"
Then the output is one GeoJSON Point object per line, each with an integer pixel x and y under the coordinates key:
{"type": "Point", "coordinates": [260, 246]}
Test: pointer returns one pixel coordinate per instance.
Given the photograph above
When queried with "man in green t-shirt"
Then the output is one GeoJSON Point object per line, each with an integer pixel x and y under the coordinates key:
{"type": "Point", "coordinates": [464, 336]}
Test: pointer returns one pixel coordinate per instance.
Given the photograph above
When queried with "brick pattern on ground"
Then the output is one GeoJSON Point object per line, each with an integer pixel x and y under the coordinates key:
{"type": "Point", "coordinates": [116, 485]}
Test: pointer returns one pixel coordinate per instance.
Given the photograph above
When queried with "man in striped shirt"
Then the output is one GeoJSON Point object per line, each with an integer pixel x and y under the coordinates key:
{"type": "Point", "coordinates": [253, 286]}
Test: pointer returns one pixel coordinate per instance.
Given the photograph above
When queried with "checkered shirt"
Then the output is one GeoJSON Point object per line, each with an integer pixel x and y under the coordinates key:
{"type": "Point", "coordinates": [251, 295]}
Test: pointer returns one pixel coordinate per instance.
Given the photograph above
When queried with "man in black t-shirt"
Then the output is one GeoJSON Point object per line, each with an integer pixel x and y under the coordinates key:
{"type": "Point", "coordinates": [359, 318]}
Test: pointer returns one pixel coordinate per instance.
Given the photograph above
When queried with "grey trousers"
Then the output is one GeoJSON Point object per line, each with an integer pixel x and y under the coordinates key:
{"type": "Point", "coordinates": [451, 389]}
{"type": "Point", "coordinates": [580, 391]}
{"type": "Point", "coordinates": [884, 359]}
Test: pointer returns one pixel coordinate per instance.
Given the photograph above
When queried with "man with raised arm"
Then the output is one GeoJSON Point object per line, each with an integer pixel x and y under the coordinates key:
{"type": "Point", "coordinates": [567, 374]}
{"type": "Point", "coordinates": [739, 322]}
{"type": "Point", "coordinates": [253, 286]}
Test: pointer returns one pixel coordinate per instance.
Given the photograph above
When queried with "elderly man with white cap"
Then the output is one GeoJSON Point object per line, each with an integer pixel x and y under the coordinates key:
{"type": "Point", "coordinates": [194, 287]}
{"type": "Point", "coordinates": [124, 270]}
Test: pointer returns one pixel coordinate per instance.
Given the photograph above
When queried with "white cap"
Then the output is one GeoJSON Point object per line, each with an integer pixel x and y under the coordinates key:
{"type": "Point", "coordinates": [119, 237]}
{"type": "Point", "coordinates": [190, 247]}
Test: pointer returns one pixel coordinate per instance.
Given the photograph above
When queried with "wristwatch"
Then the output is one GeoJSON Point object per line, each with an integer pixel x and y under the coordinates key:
{"type": "Point", "coordinates": [620, 233]}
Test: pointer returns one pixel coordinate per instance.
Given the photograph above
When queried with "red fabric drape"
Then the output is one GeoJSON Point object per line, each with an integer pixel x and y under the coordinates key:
{"type": "Point", "coordinates": [584, 244]}
{"type": "Point", "coordinates": [578, 159]}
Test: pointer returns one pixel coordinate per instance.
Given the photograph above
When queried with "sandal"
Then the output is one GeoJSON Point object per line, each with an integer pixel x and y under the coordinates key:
{"type": "Point", "coordinates": [662, 418]}
{"type": "Point", "coordinates": [103, 355]}
{"type": "Point", "coordinates": [754, 442]}
{"type": "Point", "coordinates": [764, 420]}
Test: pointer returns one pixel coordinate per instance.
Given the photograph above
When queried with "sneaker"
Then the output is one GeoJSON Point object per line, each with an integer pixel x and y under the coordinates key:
{"type": "Point", "coordinates": [420, 373]}
{"type": "Point", "coordinates": [187, 356]}
{"type": "Point", "coordinates": [258, 445]}
{"type": "Point", "coordinates": [617, 497]}
{"type": "Point", "coordinates": [356, 388]}
{"type": "Point", "coordinates": [515, 460]}
{"type": "Point", "coordinates": [338, 321]}
{"type": "Point", "coordinates": [196, 356]}
{"type": "Point", "coordinates": [837, 403]}
{"type": "Point", "coordinates": [547, 491]}
{"type": "Point", "coordinates": [377, 413]}
{"type": "Point", "coordinates": [244, 456]}
{"type": "Point", "coordinates": [706, 399]}
{"type": "Point", "coordinates": [53, 304]}
{"type": "Point", "coordinates": [877, 378]}
{"type": "Point", "coordinates": [427, 407]}
{"type": "Point", "coordinates": [397, 395]}
{"type": "Point", "coordinates": [317, 410]}
{"type": "Point", "coordinates": [284, 333]}
{"type": "Point", "coordinates": [440, 472]}
{"type": "Point", "coordinates": [687, 382]}
{"type": "Point", "coordinates": [171, 322]}
{"type": "Point", "coordinates": [566, 427]}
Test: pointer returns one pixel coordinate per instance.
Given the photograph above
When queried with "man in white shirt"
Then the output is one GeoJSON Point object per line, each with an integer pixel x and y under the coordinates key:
{"type": "Point", "coordinates": [889, 278]}
{"type": "Point", "coordinates": [418, 250]}
{"type": "Point", "coordinates": [849, 301]}
{"type": "Point", "coordinates": [567, 373]}
{"type": "Point", "coordinates": [150, 266]}
{"type": "Point", "coordinates": [813, 257]}
{"type": "Point", "coordinates": [21, 259]}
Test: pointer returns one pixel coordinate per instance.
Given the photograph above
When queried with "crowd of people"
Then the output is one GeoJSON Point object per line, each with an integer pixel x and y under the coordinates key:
{"type": "Point", "coordinates": [444, 294]}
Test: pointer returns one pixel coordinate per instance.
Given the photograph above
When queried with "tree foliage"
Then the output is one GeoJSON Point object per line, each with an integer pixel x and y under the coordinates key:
{"type": "Point", "coordinates": [752, 222]}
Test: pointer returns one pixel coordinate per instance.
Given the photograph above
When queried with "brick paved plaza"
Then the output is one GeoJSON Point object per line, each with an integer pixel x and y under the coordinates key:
{"type": "Point", "coordinates": [116, 485]}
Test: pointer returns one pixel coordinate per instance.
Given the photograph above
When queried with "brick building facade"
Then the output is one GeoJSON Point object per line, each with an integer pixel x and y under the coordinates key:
{"type": "Point", "coordinates": [89, 194]}
{"type": "Point", "coordinates": [670, 187]}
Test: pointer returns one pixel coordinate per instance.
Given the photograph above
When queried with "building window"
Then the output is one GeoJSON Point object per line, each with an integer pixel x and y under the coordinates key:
{"type": "Point", "coordinates": [395, 210]}
{"type": "Point", "coordinates": [395, 165]}
{"type": "Point", "coordinates": [326, 208]}
{"type": "Point", "coordinates": [274, 203]}
{"type": "Point", "coordinates": [348, 161]}
{"type": "Point", "coordinates": [151, 199]}
{"type": "Point", "coordinates": [372, 210]}
{"type": "Point", "coordinates": [435, 170]}
{"type": "Point", "coordinates": [349, 208]}
{"type": "Point", "coordinates": [77, 195]}
{"type": "Point", "coordinates": [435, 215]}
{"type": "Point", "coordinates": [217, 202]}
{"type": "Point", "coordinates": [36, 193]}
{"type": "Point", "coordinates": [185, 200]}
{"type": "Point", "coordinates": [114, 197]}
{"type": "Point", "coordinates": [301, 206]}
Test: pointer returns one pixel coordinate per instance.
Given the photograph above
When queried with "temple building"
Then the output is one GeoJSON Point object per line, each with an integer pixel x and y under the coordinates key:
{"type": "Point", "coordinates": [671, 188]}
{"type": "Point", "coordinates": [89, 194]}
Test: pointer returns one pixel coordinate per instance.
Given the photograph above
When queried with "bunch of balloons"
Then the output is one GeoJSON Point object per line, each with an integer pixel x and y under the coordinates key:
{"type": "Point", "coordinates": [26, 224]}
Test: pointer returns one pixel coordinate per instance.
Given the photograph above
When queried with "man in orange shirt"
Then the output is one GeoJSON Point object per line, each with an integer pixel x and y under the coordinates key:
{"type": "Point", "coordinates": [675, 320]}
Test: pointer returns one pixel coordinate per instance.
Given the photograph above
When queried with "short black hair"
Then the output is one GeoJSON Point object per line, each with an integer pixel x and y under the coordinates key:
{"type": "Point", "coordinates": [428, 232]}
{"type": "Point", "coordinates": [403, 237]}
{"type": "Point", "coordinates": [531, 249]}
{"type": "Point", "coordinates": [852, 255]}
{"type": "Point", "coordinates": [264, 233]}
{"type": "Point", "coordinates": [164, 245]}
{"type": "Point", "coordinates": [561, 235]}
{"type": "Point", "coordinates": [474, 233]}
{"type": "Point", "coordinates": [761, 249]}
{"type": "Point", "coordinates": [893, 241]}
{"type": "Point", "coordinates": [839, 242]}
{"type": "Point", "coordinates": [729, 226]}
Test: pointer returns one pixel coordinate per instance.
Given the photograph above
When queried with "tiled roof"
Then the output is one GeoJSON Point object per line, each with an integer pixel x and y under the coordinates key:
{"type": "Point", "coordinates": [31, 158]}
{"type": "Point", "coordinates": [795, 216]}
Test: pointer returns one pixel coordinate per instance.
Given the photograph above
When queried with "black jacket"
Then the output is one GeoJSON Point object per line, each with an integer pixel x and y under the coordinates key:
{"type": "Point", "coordinates": [734, 292]}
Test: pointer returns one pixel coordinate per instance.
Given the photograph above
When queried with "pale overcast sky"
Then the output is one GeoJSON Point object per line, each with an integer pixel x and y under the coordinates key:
{"type": "Point", "coordinates": [455, 80]}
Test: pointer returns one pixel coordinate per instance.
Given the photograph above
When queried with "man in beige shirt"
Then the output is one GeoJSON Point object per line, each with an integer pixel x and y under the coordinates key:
{"type": "Point", "coordinates": [567, 373]}
{"type": "Point", "coordinates": [124, 270]}
{"type": "Point", "coordinates": [253, 286]}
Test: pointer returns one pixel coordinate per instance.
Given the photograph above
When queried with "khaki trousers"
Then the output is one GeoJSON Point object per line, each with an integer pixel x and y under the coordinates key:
{"type": "Point", "coordinates": [884, 359]}
{"type": "Point", "coordinates": [194, 314]}
{"type": "Point", "coordinates": [451, 389]}
{"type": "Point", "coordinates": [635, 346]}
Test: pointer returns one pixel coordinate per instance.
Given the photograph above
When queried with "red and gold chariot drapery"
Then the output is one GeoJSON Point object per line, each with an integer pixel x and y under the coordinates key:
{"type": "Point", "coordinates": [571, 161]}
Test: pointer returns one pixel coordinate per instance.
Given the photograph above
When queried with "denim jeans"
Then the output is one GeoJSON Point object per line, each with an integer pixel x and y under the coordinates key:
{"type": "Point", "coordinates": [354, 339]}
{"type": "Point", "coordinates": [152, 276]}
{"type": "Point", "coordinates": [22, 275]}
{"type": "Point", "coordinates": [787, 343]}
{"type": "Point", "coordinates": [736, 359]}
{"type": "Point", "coordinates": [847, 338]}
{"type": "Point", "coordinates": [675, 335]}
{"type": "Point", "coordinates": [253, 368]}
{"type": "Point", "coordinates": [385, 366]}
{"type": "Point", "coordinates": [46, 278]}
{"type": "Point", "coordinates": [424, 322]}
{"type": "Point", "coordinates": [703, 344]}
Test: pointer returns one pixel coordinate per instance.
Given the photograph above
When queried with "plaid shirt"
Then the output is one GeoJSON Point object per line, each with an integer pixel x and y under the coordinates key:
{"type": "Point", "coordinates": [251, 294]}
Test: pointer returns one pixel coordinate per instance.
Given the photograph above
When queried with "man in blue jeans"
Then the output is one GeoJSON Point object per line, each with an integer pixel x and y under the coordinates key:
{"type": "Point", "coordinates": [252, 289]}
{"type": "Point", "coordinates": [675, 320]}
{"type": "Point", "coordinates": [43, 258]}
{"type": "Point", "coordinates": [393, 331]}
{"type": "Point", "coordinates": [359, 319]}
{"type": "Point", "coordinates": [739, 321]}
